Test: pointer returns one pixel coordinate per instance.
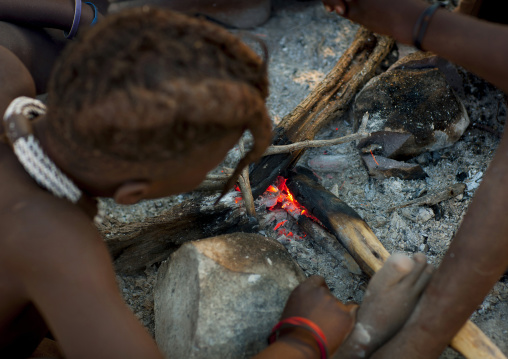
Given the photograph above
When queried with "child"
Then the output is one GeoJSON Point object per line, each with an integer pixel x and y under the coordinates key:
{"type": "Point", "coordinates": [142, 106]}
{"type": "Point", "coordinates": [477, 256]}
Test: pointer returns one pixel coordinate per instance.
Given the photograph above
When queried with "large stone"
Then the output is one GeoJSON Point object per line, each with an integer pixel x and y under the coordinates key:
{"type": "Point", "coordinates": [412, 107]}
{"type": "Point", "coordinates": [220, 297]}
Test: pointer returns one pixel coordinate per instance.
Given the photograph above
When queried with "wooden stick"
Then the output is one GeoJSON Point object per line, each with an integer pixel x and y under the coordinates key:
{"type": "Point", "coordinates": [243, 181]}
{"type": "Point", "coordinates": [274, 150]}
{"type": "Point", "coordinates": [329, 100]}
{"type": "Point", "coordinates": [363, 245]}
{"type": "Point", "coordinates": [471, 342]}
{"type": "Point", "coordinates": [137, 245]}
{"type": "Point", "coordinates": [340, 219]}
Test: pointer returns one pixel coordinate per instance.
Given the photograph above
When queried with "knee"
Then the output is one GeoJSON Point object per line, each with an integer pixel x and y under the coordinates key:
{"type": "Point", "coordinates": [15, 79]}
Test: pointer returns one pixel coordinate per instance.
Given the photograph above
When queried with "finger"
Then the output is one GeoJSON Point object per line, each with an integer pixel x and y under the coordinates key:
{"type": "Point", "coordinates": [341, 8]}
{"type": "Point", "coordinates": [316, 281]}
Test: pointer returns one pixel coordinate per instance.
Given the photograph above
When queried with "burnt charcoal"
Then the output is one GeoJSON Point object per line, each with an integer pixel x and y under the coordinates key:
{"type": "Point", "coordinates": [438, 212]}
{"type": "Point", "coordinates": [461, 177]}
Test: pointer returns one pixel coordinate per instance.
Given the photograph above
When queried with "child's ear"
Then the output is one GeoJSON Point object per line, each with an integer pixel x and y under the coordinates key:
{"type": "Point", "coordinates": [131, 192]}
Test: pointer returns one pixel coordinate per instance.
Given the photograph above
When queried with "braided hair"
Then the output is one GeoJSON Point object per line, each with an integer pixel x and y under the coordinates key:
{"type": "Point", "coordinates": [149, 84]}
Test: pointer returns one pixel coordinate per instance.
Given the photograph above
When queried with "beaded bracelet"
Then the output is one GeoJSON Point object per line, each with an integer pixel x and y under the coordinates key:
{"type": "Point", "coordinates": [77, 18]}
{"type": "Point", "coordinates": [422, 24]}
{"type": "Point", "coordinates": [306, 324]}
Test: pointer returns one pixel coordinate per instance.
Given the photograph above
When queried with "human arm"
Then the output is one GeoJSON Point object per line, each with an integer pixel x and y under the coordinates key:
{"type": "Point", "coordinates": [67, 272]}
{"type": "Point", "coordinates": [57, 14]}
{"type": "Point", "coordinates": [479, 46]}
{"type": "Point", "coordinates": [312, 300]}
{"type": "Point", "coordinates": [477, 256]}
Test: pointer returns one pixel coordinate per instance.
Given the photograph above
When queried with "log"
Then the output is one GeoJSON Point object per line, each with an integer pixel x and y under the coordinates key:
{"type": "Point", "coordinates": [341, 220]}
{"type": "Point", "coordinates": [329, 100]}
{"type": "Point", "coordinates": [363, 245]}
{"type": "Point", "coordinates": [137, 245]}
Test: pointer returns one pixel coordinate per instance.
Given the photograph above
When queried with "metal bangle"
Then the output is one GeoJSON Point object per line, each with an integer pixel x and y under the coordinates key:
{"type": "Point", "coordinates": [95, 12]}
{"type": "Point", "coordinates": [75, 21]}
{"type": "Point", "coordinates": [422, 24]}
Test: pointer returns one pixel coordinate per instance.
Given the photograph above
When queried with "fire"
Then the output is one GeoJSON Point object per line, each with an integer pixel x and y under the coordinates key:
{"type": "Point", "coordinates": [279, 195]}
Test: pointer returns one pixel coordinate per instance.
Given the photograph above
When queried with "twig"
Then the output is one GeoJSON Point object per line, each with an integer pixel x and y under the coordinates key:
{"type": "Point", "coordinates": [244, 182]}
{"type": "Point", "coordinates": [274, 150]}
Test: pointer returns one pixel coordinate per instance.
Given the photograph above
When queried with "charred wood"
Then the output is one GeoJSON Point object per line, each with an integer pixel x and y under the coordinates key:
{"type": "Point", "coordinates": [135, 246]}
{"type": "Point", "coordinates": [329, 100]}
{"type": "Point", "coordinates": [359, 240]}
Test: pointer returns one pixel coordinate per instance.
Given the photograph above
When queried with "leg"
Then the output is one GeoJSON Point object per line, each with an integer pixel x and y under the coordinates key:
{"type": "Point", "coordinates": [15, 79]}
{"type": "Point", "coordinates": [389, 300]}
{"type": "Point", "coordinates": [36, 51]}
{"type": "Point", "coordinates": [23, 334]}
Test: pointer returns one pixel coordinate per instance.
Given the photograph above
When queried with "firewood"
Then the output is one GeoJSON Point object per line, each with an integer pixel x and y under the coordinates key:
{"type": "Point", "coordinates": [341, 220]}
{"type": "Point", "coordinates": [363, 245]}
{"type": "Point", "coordinates": [137, 245]}
{"type": "Point", "coordinates": [471, 342]}
{"type": "Point", "coordinates": [243, 181]}
{"type": "Point", "coordinates": [329, 100]}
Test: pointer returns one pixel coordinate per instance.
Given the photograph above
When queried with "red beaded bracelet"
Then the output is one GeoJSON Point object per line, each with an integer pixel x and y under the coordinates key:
{"type": "Point", "coordinates": [303, 323]}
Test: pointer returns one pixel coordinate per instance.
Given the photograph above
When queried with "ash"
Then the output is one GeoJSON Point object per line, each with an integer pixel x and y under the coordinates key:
{"type": "Point", "coordinates": [305, 42]}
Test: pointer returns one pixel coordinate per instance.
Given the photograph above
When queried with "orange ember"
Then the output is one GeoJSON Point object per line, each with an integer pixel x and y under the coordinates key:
{"type": "Point", "coordinates": [279, 195]}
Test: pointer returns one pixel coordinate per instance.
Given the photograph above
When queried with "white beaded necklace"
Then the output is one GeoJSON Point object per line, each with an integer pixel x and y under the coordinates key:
{"type": "Point", "coordinates": [29, 151]}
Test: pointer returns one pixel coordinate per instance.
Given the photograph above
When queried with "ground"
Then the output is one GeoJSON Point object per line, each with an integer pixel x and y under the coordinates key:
{"type": "Point", "coordinates": [304, 43]}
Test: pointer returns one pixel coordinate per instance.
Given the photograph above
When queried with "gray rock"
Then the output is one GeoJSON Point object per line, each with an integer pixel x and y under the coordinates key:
{"type": "Point", "coordinates": [382, 167]}
{"type": "Point", "coordinates": [220, 297]}
{"type": "Point", "coordinates": [412, 108]}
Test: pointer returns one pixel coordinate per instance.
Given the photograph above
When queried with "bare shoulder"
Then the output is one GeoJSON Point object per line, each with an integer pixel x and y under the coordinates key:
{"type": "Point", "coordinates": [47, 231]}
{"type": "Point", "coordinates": [39, 229]}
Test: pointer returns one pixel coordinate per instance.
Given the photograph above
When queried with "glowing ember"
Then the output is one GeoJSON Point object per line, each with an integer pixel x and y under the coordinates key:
{"type": "Point", "coordinates": [278, 195]}
{"type": "Point", "coordinates": [280, 224]}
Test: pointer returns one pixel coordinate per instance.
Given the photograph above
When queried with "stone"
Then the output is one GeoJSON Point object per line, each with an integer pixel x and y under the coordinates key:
{"type": "Point", "coordinates": [413, 108]}
{"type": "Point", "coordinates": [329, 163]}
{"type": "Point", "coordinates": [220, 297]}
{"type": "Point", "coordinates": [382, 167]}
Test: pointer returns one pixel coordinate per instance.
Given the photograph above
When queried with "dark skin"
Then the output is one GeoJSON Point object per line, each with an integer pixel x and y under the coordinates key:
{"type": "Point", "coordinates": [55, 270]}
{"type": "Point", "coordinates": [477, 257]}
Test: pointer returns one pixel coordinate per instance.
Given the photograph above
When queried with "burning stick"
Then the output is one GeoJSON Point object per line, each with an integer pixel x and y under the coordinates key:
{"type": "Point", "coordinates": [354, 234]}
{"type": "Point", "coordinates": [340, 219]}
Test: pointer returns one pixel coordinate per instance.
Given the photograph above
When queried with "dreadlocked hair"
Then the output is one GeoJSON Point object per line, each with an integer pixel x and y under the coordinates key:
{"type": "Point", "coordinates": [150, 84]}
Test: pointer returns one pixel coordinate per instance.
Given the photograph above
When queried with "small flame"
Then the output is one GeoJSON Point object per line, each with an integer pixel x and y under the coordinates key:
{"type": "Point", "coordinates": [279, 194]}
{"type": "Point", "coordinates": [272, 189]}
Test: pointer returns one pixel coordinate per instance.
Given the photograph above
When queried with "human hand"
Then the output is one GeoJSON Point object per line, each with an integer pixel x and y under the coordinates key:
{"type": "Point", "coordinates": [312, 300]}
{"type": "Point", "coordinates": [390, 17]}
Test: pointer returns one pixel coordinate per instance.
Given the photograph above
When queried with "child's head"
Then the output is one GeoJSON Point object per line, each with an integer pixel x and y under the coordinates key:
{"type": "Point", "coordinates": [149, 88]}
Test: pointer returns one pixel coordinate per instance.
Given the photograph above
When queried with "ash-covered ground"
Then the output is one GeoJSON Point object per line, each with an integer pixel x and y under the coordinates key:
{"type": "Point", "coordinates": [305, 42]}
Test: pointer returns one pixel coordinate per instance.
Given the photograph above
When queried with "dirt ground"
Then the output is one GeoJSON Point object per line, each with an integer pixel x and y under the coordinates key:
{"type": "Point", "coordinates": [304, 43]}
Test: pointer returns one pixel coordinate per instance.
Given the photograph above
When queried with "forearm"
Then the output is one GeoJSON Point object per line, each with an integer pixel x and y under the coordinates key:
{"type": "Point", "coordinates": [57, 14]}
{"type": "Point", "coordinates": [476, 259]}
{"type": "Point", "coordinates": [479, 46]}
{"type": "Point", "coordinates": [297, 346]}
